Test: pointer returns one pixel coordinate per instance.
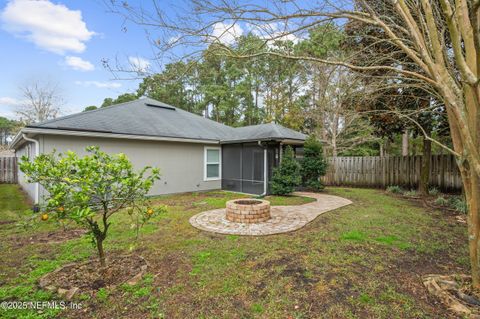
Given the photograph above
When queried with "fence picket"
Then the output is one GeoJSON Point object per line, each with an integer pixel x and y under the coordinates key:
{"type": "Point", "coordinates": [8, 169]}
{"type": "Point", "coordinates": [376, 171]}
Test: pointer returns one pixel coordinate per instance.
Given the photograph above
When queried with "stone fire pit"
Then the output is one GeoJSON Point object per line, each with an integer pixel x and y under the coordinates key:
{"type": "Point", "coordinates": [248, 210]}
{"type": "Point", "coordinates": [283, 218]}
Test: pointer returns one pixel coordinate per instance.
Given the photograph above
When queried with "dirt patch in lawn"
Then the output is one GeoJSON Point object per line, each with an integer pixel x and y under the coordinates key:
{"type": "Point", "coordinates": [167, 271]}
{"type": "Point", "coordinates": [186, 200]}
{"type": "Point", "coordinates": [6, 222]}
{"type": "Point", "coordinates": [89, 276]}
{"type": "Point", "coordinates": [53, 237]}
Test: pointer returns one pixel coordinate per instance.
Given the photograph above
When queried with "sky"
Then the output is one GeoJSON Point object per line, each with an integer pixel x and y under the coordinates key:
{"type": "Point", "coordinates": [64, 43]}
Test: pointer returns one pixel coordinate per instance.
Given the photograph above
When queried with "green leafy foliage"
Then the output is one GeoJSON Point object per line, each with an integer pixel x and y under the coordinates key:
{"type": "Point", "coordinates": [287, 175]}
{"type": "Point", "coordinates": [458, 203]}
{"type": "Point", "coordinates": [90, 108]}
{"type": "Point", "coordinates": [122, 98]}
{"type": "Point", "coordinates": [89, 190]}
{"type": "Point", "coordinates": [313, 164]}
{"type": "Point", "coordinates": [410, 193]}
{"type": "Point", "coordinates": [394, 189]}
{"type": "Point", "coordinates": [8, 128]}
{"type": "Point", "coordinates": [433, 191]}
{"type": "Point", "coordinates": [441, 201]}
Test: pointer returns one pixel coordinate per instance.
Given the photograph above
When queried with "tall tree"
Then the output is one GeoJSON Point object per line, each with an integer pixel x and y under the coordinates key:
{"type": "Point", "coordinates": [122, 98]}
{"type": "Point", "coordinates": [177, 85]}
{"type": "Point", "coordinates": [333, 93]}
{"type": "Point", "coordinates": [250, 89]}
{"type": "Point", "coordinates": [7, 129]}
{"type": "Point", "coordinates": [41, 101]}
{"type": "Point", "coordinates": [413, 109]}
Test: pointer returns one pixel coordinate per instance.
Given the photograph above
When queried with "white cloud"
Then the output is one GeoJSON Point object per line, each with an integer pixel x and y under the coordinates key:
{"type": "Point", "coordinates": [173, 40]}
{"type": "Point", "coordinates": [100, 85]}
{"type": "Point", "coordinates": [52, 27]}
{"type": "Point", "coordinates": [275, 31]}
{"type": "Point", "coordinates": [226, 33]}
{"type": "Point", "coordinates": [9, 101]}
{"type": "Point", "coordinates": [7, 106]}
{"type": "Point", "coordinates": [139, 64]}
{"type": "Point", "coordinates": [79, 64]}
{"type": "Point", "coordinates": [8, 112]}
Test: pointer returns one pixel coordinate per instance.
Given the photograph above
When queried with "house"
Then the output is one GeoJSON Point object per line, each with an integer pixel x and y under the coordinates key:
{"type": "Point", "coordinates": [194, 153]}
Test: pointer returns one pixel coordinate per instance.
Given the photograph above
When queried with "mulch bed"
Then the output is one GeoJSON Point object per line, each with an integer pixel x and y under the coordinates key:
{"type": "Point", "coordinates": [89, 276]}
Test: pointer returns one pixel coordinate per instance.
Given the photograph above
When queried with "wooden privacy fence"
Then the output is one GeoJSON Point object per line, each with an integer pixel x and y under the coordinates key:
{"type": "Point", "coordinates": [376, 171]}
{"type": "Point", "coordinates": [8, 169]}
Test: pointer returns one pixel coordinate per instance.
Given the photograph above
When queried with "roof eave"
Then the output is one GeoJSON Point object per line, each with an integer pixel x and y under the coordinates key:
{"type": "Point", "coordinates": [83, 133]}
{"type": "Point", "coordinates": [16, 139]}
{"type": "Point", "coordinates": [275, 139]}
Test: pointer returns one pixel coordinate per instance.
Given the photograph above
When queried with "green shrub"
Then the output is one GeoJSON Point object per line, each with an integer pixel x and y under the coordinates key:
{"type": "Point", "coordinates": [458, 203]}
{"type": "Point", "coordinates": [286, 176]}
{"type": "Point", "coordinates": [313, 164]}
{"type": "Point", "coordinates": [433, 191]}
{"type": "Point", "coordinates": [441, 201]}
{"type": "Point", "coordinates": [410, 193]}
{"type": "Point", "coordinates": [394, 189]}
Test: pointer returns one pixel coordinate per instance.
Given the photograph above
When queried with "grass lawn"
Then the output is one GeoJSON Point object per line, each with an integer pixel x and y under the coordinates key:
{"type": "Point", "coordinates": [364, 260]}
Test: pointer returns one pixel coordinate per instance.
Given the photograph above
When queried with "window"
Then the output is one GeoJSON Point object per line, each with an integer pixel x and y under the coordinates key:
{"type": "Point", "coordinates": [212, 169]}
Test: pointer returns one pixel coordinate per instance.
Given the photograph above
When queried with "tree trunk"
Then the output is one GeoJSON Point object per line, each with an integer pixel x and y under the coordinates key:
{"type": "Point", "coordinates": [101, 252]}
{"type": "Point", "coordinates": [425, 170]}
{"type": "Point", "coordinates": [471, 183]}
{"type": "Point", "coordinates": [334, 144]}
{"type": "Point", "coordinates": [405, 143]}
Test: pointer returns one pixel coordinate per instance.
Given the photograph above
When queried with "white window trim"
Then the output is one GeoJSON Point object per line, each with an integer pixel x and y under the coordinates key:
{"type": "Point", "coordinates": [205, 149]}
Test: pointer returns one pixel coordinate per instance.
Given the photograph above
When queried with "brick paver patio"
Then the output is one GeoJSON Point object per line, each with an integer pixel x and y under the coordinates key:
{"type": "Point", "coordinates": [284, 218]}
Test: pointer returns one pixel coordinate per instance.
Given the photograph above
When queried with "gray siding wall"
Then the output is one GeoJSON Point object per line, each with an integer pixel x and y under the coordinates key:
{"type": "Point", "coordinates": [181, 164]}
{"type": "Point", "coordinates": [29, 150]}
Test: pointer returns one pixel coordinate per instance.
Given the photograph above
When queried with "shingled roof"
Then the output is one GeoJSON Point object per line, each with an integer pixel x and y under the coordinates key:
{"type": "Point", "coordinates": [148, 117]}
{"type": "Point", "coordinates": [269, 131]}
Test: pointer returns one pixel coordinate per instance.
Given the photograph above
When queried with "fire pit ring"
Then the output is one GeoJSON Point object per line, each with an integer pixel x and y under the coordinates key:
{"type": "Point", "coordinates": [248, 210]}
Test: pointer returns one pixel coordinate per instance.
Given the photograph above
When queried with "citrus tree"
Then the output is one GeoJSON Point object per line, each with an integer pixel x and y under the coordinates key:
{"type": "Point", "coordinates": [89, 190]}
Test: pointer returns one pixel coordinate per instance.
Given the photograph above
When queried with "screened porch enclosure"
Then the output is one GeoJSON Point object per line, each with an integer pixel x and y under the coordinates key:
{"type": "Point", "coordinates": [243, 166]}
